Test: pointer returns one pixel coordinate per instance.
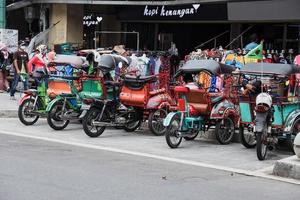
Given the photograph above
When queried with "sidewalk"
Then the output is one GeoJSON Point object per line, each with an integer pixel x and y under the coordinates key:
{"type": "Point", "coordinates": [9, 108]}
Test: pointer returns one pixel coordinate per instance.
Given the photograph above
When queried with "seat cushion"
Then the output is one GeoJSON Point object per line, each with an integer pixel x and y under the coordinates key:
{"type": "Point", "coordinates": [199, 99]}
{"type": "Point", "coordinates": [202, 109]}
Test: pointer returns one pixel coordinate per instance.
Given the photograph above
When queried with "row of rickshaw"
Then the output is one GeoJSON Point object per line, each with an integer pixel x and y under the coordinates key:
{"type": "Point", "coordinates": [261, 100]}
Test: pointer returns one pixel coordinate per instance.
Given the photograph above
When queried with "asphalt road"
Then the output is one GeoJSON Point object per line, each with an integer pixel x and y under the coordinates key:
{"type": "Point", "coordinates": [36, 169]}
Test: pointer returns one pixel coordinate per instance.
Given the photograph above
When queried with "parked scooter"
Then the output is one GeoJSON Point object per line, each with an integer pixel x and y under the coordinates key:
{"type": "Point", "coordinates": [108, 111]}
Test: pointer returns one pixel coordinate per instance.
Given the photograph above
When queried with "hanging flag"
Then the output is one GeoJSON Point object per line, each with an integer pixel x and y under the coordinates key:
{"type": "Point", "coordinates": [256, 53]}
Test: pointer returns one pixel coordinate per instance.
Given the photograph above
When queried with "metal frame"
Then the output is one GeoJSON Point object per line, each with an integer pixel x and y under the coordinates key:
{"type": "Point", "coordinates": [120, 32]}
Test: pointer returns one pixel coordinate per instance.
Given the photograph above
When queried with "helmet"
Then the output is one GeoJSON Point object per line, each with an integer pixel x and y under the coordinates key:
{"type": "Point", "coordinates": [264, 99]}
{"type": "Point", "coordinates": [42, 48]}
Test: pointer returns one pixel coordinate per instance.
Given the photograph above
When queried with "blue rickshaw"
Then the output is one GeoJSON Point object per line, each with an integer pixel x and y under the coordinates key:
{"type": "Point", "coordinates": [272, 113]}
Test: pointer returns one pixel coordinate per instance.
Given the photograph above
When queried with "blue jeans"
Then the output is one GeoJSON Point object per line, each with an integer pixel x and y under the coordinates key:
{"type": "Point", "coordinates": [15, 84]}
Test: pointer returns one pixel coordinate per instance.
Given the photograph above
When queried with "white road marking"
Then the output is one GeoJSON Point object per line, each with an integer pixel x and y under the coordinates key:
{"type": "Point", "coordinates": [257, 173]}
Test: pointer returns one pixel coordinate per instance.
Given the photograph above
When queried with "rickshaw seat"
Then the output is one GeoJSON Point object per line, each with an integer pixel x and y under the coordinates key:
{"type": "Point", "coordinates": [181, 89]}
{"type": "Point", "coordinates": [199, 99]}
{"type": "Point", "coordinates": [31, 92]}
{"type": "Point", "coordinates": [141, 79]}
{"type": "Point", "coordinates": [202, 109]}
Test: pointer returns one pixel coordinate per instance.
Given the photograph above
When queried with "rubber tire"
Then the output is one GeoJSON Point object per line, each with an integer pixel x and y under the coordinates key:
{"type": "Point", "coordinates": [21, 116]}
{"type": "Point", "coordinates": [167, 134]}
{"type": "Point", "coordinates": [290, 141]}
{"type": "Point", "coordinates": [150, 124]}
{"type": "Point", "coordinates": [85, 123]}
{"type": "Point", "coordinates": [49, 120]}
{"type": "Point", "coordinates": [259, 154]}
{"type": "Point", "coordinates": [217, 133]}
{"type": "Point", "coordinates": [134, 128]}
{"type": "Point", "coordinates": [243, 140]}
{"type": "Point", "coordinates": [192, 137]}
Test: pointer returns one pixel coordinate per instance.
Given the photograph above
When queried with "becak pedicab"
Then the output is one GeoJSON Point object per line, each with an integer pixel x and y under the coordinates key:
{"type": "Point", "coordinates": [202, 105]}
{"type": "Point", "coordinates": [66, 107]}
{"type": "Point", "coordinates": [270, 110]}
{"type": "Point", "coordinates": [34, 102]}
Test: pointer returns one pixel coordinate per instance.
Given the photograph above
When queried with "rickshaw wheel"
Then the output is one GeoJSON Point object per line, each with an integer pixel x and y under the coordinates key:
{"type": "Point", "coordinates": [27, 104]}
{"type": "Point", "coordinates": [155, 121]}
{"type": "Point", "coordinates": [246, 141]}
{"type": "Point", "coordinates": [89, 129]}
{"type": "Point", "coordinates": [191, 137]}
{"type": "Point", "coordinates": [295, 131]}
{"type": "Point", "coordinates": [261, 146]}
{"type": "Point", "coordinates": [225, 132]}
{"type": "Point", "coordinates": [172, 137]}
{"type": "Point", "coordinates": [134, 125]}
{"type": "Point", "coordinates": [54, 119]}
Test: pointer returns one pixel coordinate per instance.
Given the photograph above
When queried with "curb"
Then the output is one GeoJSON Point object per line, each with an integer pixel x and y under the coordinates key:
{"type": "Point", "coordinates": [8, 113]}
{"type": "Point", "coordinates": [288, 167]}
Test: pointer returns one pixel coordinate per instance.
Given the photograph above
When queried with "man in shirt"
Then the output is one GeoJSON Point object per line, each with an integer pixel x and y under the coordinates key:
{"type": "Point", "coordinates": [20, 63]}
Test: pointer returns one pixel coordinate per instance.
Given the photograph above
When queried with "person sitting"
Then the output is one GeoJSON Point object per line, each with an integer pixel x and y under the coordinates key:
{"type": "Point", "coordinates": [252, 88]}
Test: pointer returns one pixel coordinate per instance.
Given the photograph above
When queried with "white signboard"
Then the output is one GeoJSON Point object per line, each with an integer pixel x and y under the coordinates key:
{"type": "Point", "coordinates": [10, 38]}
{"type": "Point", "coordinates": [163, 11]}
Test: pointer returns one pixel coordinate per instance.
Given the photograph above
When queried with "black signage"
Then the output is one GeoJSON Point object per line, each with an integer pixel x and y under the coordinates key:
{"type": "Point", "coordinates": [191, 12]}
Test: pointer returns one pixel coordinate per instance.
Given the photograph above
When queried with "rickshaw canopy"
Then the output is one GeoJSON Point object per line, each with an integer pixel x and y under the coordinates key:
{"type": "Point", "coordinates": [270, 69]}
{"type": "Point", "coordinates": [75, 61]}
{"type": "Point", "coordinates": [196, 66]}
{"type": "Point", "coordinates": [109, 62]}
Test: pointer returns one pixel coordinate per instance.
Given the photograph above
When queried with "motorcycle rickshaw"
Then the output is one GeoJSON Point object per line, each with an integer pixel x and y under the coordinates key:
{"type": "Point", "coordinates": [34, 102]}
{"type": "Point", "coordinates": [271, 112]}
{"type": "Point", "coordinates": [153, 105]}
{"type": "Point", "coordinates": [107, 111]}
{"type": "Point", "coordinates": [202, 104]}
{"type": "Point", "coordinates": [67, 106]}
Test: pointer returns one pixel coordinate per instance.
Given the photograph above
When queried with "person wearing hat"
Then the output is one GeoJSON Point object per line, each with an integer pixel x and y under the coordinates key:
{"type": "Point", "coordinates": [20, 63]}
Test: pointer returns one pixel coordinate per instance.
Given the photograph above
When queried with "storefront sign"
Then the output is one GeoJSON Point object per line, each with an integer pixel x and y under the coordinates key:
{"type": "Point", "coordinates": [190, 12]}
{"type": "Point", "coordinates": [91, 20]}
{"type": "Point", "coordinates": [10, 38]}
{"type": "Point", "coordinates": [165, 12]}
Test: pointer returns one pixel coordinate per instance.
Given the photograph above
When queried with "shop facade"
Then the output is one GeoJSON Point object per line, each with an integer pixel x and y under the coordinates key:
{"type": "Point", "coordinates": [185, 23]}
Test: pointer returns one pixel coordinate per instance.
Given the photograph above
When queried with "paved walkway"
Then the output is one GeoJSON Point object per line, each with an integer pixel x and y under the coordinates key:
{"type": "Point", "coordinates": [8, 108]}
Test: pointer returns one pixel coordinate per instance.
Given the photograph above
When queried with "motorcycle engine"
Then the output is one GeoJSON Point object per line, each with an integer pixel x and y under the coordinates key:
{"type": "Point", "coordinates": [120, 120]}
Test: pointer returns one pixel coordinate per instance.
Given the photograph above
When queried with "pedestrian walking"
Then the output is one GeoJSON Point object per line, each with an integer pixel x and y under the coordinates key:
{"type": "Point", "coordinates": [4, 62]}
{"type": "Point", "coordinates": [20, 63]}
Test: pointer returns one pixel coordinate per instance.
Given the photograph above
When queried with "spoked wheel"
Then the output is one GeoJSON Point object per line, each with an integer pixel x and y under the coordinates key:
{"type": "Point", "coordinates": [172, 134]}
{"type": "Point", "coordinates": [262, 144]}
{"type": "Point", "coordinates": [191, 137]}
{"type": "Point", "coordinates": [155, 121]}
{"type": "Point", "coordinates": [247, 138]}
{"type": "Point", "coordinates": [24, 112]}
{"type": "Point", "coordinates": [295, 131]}
{"type": "Point", "coordinates": [225, 131]}
{"type": "Point", "coordinates": [134, 121]}
{"type": "Point", "coordinates": [87, 123]}
{"type": "Point", "coordinates": [54, 117]}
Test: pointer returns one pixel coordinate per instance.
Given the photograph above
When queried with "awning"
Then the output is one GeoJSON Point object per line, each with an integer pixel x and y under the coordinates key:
{"type": "Point", "coordinates": [25, 3]}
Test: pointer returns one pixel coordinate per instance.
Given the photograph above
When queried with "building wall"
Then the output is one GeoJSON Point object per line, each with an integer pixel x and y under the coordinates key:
{"type": "Point", "coordinates": [58, 34]}
{"type": "Point", "coordinates": [74, 26]}
{"type": "Point", "coordinates": [69, 28]}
